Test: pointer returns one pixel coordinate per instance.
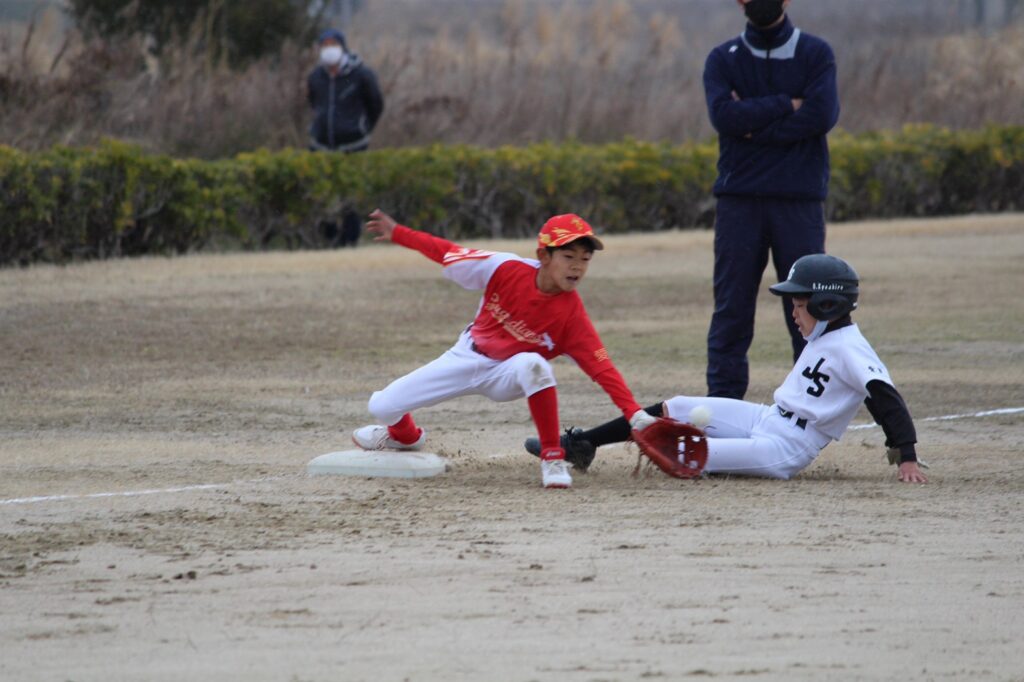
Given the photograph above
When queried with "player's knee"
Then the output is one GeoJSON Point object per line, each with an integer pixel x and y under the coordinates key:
{"type": "Point", "coordinates": [678, 407]}
{"type": "Point", "coordinates": [382, 408]}
{"type": "Point", "coordinates": [534, 373]}
{"type": "Point", "coordinates": [375, 404]}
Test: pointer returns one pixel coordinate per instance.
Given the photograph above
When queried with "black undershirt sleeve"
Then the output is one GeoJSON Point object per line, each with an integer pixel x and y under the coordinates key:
{"type": "Point", "coordinates": [890, 412]}
{"type": "Point", "coordinates": [617, 430]}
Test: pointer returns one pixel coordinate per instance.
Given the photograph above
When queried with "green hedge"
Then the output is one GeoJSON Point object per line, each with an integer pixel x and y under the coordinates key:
{"type": "Point", "coordinates": [926, 171]}
{"type": "Point", "coordinates": [115, 200]}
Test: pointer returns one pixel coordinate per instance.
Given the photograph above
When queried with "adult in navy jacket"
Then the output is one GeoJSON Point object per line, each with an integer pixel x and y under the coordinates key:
{"type": "Point", "coordinates": [345, 98]}
{"type": "Point", "coordinates": [771, 94]}
{"type": "Point", "coordinates": [347, 103]}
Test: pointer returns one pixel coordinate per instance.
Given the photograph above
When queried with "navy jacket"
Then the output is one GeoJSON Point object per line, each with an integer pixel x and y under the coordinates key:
{"type": "Point", "coordinates": [765, 148]}
{"type": "Point", "coordinates": [346, 107]}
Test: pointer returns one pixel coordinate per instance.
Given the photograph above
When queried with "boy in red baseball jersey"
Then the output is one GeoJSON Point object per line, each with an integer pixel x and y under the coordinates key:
{"type": "Point", "coordinates": [530, 313]}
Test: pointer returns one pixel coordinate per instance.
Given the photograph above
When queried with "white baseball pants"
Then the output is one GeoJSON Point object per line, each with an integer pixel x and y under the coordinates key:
{"type": "Point", "coordinates": [751, 439]}
{"type": "Point", "coordinates": [462, 371]}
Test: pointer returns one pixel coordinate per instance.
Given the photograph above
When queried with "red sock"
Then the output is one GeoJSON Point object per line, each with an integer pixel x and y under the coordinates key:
{"type": "Point", "coordinates": [405, 430]}
{"type": "Point", "coordinates": [544, 410]}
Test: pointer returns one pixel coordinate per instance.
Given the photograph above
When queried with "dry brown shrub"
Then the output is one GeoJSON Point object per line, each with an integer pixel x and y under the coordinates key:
{"type": "Point", "coordinates": [498, 72]}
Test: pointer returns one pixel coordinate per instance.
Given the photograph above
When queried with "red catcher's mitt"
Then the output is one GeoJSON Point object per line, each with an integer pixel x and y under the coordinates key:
{"type": "Point", "coordinates": [680, 450]}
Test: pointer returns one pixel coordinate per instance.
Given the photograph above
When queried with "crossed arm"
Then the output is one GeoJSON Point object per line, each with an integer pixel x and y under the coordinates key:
{"type": "Point", "coordinates": [773, 120]}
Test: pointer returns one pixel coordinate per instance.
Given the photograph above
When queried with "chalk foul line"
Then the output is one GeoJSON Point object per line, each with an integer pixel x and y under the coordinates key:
{"type": "Point", "coordinates": [211, 486]}
{"type": "Point", "coordinates": [951, 417]}
{"type": "Point", "coordinates": [129, 493]}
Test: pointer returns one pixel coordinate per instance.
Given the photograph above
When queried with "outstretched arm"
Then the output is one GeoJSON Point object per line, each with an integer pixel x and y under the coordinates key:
{"type": "Point", "coordinates": [382, 225]}
{"type": "Point", "coordinates": [592, 357]}
{"type": "Point", "coordinates": [889, 410]}
{"type": "Point", "coordinates": [387, 229]}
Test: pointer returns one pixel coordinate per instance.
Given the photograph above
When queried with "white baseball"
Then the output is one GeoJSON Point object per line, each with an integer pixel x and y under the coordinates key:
{"type": "Point", "coordinates": [700, 416]}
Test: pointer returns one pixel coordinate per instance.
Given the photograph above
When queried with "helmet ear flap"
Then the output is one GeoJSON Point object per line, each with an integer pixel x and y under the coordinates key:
{"type": "Point", "coordinates": [827, 307]}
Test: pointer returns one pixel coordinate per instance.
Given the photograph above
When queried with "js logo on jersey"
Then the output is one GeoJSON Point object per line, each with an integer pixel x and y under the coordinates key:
{"type": "Point", "coordinates": [818, 377]}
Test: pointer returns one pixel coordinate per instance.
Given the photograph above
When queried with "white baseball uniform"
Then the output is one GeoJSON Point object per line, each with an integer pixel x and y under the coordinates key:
{"type": "Point", "coordinates": [813, 407]}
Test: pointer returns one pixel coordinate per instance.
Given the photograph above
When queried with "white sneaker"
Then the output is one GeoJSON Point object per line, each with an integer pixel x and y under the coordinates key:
{"type": "Point", "coordinates": [375, 437]}
{"type": "Point", "coordinates": [555, 473]}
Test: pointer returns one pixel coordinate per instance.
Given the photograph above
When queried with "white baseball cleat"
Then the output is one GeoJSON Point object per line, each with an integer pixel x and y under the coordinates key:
{"type": "Point", "coordinates": [555, 473]}
{"type": "Point", "coordinates": [375, 437]}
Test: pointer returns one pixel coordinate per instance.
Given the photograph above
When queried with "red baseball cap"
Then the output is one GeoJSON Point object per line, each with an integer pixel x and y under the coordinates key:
{"type": "Point", "coordinates": [564, 229]}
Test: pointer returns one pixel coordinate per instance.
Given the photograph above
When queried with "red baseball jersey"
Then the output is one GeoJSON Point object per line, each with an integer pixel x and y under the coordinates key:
{"type": "Point", "coordinates": [517, 317]}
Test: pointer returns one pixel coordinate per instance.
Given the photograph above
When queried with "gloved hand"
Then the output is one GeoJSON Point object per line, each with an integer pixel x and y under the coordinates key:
{"type": "Point", "coordinates": [678, 449]}
{"type": "Point", "coordinates": [641, 420]}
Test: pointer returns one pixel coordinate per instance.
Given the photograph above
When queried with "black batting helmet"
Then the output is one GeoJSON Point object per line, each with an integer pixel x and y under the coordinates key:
{"type": "Point", "coordinates": [829, 282]}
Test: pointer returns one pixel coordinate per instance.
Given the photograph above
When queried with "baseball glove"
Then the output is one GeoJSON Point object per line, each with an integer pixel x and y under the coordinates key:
{"type": "Point", "coordinates": [678, 449]}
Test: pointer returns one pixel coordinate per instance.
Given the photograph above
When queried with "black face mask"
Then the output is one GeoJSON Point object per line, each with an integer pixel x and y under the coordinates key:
{"type": "Point", "coordinates": [763, 12]}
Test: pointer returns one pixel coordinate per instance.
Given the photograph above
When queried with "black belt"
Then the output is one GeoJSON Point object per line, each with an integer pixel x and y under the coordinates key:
{"type": "Point", "coordinates": [800, 422]}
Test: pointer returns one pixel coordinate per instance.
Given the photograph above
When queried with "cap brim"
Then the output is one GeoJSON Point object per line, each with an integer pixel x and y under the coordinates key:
{"type": "Point", "coordinates": [787, 287]}
{"type": "Point", "coordinates": [598, 244]}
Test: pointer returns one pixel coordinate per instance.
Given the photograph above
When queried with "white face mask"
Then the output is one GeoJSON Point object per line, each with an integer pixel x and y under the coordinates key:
{"type": "Point", "coordinates": [331, 55]}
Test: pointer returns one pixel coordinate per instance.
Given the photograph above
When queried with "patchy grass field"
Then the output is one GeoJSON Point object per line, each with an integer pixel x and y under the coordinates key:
{"type": "Point", "coordinates": [150, 379]}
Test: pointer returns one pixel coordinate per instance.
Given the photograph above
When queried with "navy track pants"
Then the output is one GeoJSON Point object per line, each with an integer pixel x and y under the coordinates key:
{"type": "Point", "coordinates": [746, 229]}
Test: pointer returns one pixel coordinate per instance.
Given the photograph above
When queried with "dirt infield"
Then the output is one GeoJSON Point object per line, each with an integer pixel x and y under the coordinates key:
{"type": "Point", "coordinates": [156, 522]}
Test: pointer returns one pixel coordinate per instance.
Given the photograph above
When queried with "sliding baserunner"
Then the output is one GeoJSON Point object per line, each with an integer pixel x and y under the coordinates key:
{"type": "Point", "coordinates": [836, 372]}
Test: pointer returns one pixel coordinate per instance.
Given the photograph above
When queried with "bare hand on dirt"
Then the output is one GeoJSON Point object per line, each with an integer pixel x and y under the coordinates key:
{"type": "Point", "coordinates": [910, 473]}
